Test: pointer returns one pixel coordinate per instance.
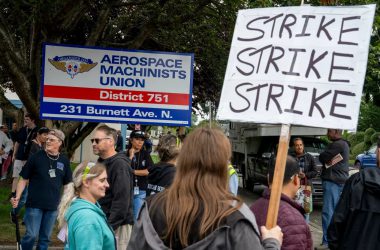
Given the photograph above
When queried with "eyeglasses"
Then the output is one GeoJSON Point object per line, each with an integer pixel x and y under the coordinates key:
{"type": "Point", "coordinates": [52, 139]}
{"type": "Point", "coordinates": [97, 140]}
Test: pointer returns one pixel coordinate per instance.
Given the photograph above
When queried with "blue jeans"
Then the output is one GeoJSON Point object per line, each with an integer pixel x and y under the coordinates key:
{"type": "Point", "coordinates": [138, 200]}
{"type": "Point", "coordinates": [307, 218]}
{"type": "Point", "coordinates": [331, 195]}
{"type": "Point", "coordinates": [38, 223]}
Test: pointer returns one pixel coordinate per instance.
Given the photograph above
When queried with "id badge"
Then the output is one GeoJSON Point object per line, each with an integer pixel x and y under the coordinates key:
{"type": "Point", "coordinates": [52, 173]}
{"type": "Point", "coordinates": [136, 190]}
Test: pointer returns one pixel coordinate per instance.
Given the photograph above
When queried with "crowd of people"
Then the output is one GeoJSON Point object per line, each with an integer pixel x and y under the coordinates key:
{"type": "Point", "coordinates": [186, 200]}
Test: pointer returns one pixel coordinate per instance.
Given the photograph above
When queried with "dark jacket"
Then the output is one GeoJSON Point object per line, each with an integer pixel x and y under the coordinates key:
{"type": "Point", "coordinates": [296, 232]}
{"type": "Point", "coordinates": [337, 173]}
{"type": "Point", "coordinates": [239, 231]}
{"type": "Point", "coordinates": [117, 203]}
{"type": "Point", "coordinates": [356, 220]}
{"type": "Point", "coordinates": [119, 143]}
{"type": "Point", "coordinates": [141, 160]}
{"type": "Point", "coordinates": [308, 163]}
{"type": "Point", "coordinates": [160, 177]}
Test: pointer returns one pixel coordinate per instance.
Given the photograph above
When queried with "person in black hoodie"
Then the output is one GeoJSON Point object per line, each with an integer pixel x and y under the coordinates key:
{"type": "Point", "coordinates": [117, 204]}
{"type": "Point", "coordinates": [356, 220]}
{"type": "Point", "coordinates": [162, 174]}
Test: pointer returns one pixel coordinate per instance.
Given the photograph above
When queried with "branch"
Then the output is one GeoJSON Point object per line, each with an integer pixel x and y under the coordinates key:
{"type": "Point", "coordinates": [5, 33]}
{"type": "Point", "coordinates": [98, 29]}
{"type": "Point", "coordinates": [21, 83]}
{"type": "Point", "coordinates": [187, 17]}
{"type": "Point", "coordinates": [130, 4]}
{"type": "Point", "coordinates": [7, 42]}
{"type": "Point", "coordinates": [69, 127]}
{"type": "Point", "coordinates": [67, 18]}
{"type": "Point", "coordinates": [142, 36]}
{"type": "Point", "coordinates": [78, 138]}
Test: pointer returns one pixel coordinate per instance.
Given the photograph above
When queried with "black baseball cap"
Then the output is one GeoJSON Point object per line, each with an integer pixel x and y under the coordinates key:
{"type": "Point", "coordinates": [137, 134]}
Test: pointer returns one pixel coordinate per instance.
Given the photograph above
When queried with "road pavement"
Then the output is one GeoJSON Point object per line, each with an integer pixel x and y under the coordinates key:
{"type": "Point", "coordinates": [315, 217]}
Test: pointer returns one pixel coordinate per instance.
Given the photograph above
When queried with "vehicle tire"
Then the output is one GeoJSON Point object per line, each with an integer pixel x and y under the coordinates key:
{"type": "Point", "coordinates": [357, 165]}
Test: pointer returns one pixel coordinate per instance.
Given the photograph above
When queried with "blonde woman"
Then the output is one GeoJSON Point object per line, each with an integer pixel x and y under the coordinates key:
{"type": "Point", "coordinates": [197, 211]}
{"type": "Point", "coordinates": [79, 211]}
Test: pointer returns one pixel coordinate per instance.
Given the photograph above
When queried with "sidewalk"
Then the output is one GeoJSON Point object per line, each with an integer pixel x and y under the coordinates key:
{"type": "Point", "coordinates": [316, 232]}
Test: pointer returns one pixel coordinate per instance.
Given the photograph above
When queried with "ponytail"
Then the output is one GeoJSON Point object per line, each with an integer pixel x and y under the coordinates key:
{"type": "Point", "coordinates": [68, 196]}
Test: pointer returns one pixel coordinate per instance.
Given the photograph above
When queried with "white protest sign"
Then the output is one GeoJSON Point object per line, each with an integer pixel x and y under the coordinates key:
{"type": "Point", "coordinates": [298, 65]}
{"type": "Point", "coordinates": [113, 85]}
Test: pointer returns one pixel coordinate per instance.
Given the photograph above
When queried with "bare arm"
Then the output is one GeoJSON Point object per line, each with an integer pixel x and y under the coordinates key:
{"type": "Point", "coordinates": [15, 150]}
{"type": "Point", "coordinates": [141, 172]}
{"type": "Point", "coordinates": [20, 188]}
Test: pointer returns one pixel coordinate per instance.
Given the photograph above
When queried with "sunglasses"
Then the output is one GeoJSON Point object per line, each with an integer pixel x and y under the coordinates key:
{"type": "Point", "coordinates": [97, 140]}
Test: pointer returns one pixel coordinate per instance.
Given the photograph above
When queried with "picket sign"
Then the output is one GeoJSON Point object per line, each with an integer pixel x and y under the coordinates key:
{"type": "Point", "coordinates": [296, 65]}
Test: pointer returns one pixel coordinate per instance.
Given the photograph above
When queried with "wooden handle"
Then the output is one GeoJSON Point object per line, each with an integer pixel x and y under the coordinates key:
{"type": "Point", "coordinates": [274, 202]}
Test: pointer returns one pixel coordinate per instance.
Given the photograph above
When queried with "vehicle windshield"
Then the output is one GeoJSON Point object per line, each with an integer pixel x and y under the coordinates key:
{"type": "Point", "coordinates": [312, 146]}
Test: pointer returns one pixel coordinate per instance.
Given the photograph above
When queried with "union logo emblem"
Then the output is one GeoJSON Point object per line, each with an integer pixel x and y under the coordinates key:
{"type": "Point", "coordinates": [72, 65]}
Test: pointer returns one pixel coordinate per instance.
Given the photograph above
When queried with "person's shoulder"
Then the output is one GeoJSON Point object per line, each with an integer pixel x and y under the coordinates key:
{"type": "Point", "coordinates": [145, 154]}
{"type": "Point", "coordinates": [308, 155]}
{"type": "Point", "coordinates": [83, 209]}
{"type": "Point", "coordinates": [39, 154]}
{"type": "Point", "coordinates": [259, 202]}
{"type": "Point", "coordinates": [289, 215]}
{"type": "Point", "coordinates": [116, 159]}
{"type": "Point", "coordinates": [63, 156]}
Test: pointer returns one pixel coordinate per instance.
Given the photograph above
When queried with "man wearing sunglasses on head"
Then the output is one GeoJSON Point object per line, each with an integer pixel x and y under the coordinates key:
{"type": "Point", "coordinates": [47, 171]}
{"type": "Point", "coordinates": [117, 202]}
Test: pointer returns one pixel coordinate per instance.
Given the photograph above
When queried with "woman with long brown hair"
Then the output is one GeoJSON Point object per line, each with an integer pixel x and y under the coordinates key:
{"type": "Point", "coordinates": [197, 211]}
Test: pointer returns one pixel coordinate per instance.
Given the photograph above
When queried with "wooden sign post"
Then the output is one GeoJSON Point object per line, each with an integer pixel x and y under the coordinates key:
{"type": "Point", "coordinates": [274, 201]}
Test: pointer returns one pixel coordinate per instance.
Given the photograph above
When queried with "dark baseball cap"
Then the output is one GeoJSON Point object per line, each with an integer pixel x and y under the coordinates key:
{"type": "Point", "coordinates": [137, 134]}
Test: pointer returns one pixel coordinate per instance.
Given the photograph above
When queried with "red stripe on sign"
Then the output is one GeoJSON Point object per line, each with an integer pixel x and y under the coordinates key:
{"type": "Point", "coordinates": [115, 95]}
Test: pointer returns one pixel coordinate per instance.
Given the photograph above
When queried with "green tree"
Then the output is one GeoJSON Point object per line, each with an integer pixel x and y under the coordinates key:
{"type": "Point", "coordinates": [369, 116]}
{"type": "Point", "coordinates": [203, 27]}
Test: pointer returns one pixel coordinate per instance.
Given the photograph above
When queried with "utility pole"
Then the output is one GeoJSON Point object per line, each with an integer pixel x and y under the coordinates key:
{"type": "Point", "coordinates": [209, 104]}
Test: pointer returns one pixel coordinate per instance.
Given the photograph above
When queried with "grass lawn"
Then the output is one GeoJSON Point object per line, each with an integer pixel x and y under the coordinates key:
{"type": "Point", "coordinates": [7, 228]}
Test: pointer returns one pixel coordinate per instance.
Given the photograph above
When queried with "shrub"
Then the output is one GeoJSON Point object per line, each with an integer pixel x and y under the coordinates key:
{"type": "Point", "coordinates": [355, 138]}
{"type": "Point", "coordinates": [358, 149]}
{"type": "Point", "coordinates": [375, 137]}
{"type": "Point", "coordinates": [367, 135]}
